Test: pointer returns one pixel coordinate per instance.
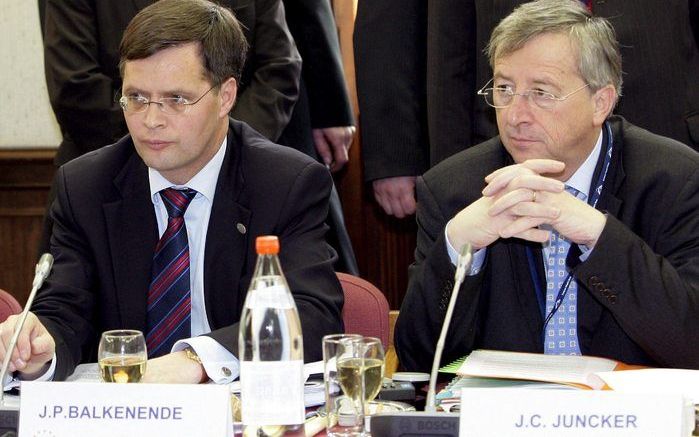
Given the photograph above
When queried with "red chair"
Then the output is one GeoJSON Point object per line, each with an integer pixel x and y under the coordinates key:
{"type": "Point", "coordinates": [366, 308]}
{"type": "Point", "coordinates": [8, 305]}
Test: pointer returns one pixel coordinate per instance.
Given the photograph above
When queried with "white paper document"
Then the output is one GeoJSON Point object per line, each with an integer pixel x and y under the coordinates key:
{"type": "Point", "coordinates": [660, 381]}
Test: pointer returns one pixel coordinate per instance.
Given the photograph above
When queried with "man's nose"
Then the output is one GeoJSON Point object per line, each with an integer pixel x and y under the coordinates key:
{"type": "Point", "coordinates": [520, 110]}
{"type": "Point", "coordinates": [153, 117]}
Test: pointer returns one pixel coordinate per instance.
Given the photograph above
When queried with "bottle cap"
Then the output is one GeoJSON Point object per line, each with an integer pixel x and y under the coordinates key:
{"type": "Point", "coordinates": [267, 245]}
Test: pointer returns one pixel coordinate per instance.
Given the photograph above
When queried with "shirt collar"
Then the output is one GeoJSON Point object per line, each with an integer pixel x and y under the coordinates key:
{"type": "Point", "coordinates": [582, 178]}
{"type": "Point", "coordinates": [203, 182]}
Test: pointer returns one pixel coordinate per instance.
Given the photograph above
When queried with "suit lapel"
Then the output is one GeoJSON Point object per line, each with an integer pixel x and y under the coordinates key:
{"type": "Point", "coordinates": [609, 201]}
{"type": "Point", "coordinates": [132, 234]}
{"type": "Point", "coordinates": [226, 241]}
{"type": "Point", "coordinates": [589, 310]}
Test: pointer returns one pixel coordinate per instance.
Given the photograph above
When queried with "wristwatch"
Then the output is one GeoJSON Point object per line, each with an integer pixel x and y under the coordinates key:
{"type": "Point", "coordinates": [192, 355]}
{"type": "Point", "coordinates": [189, 352]}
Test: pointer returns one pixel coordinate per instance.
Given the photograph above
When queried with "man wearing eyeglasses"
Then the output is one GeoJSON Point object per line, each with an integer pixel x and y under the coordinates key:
{"type": "Point", "coordinates": [585, 227]}
{"type": "Point", "coordinates": [157, 231]}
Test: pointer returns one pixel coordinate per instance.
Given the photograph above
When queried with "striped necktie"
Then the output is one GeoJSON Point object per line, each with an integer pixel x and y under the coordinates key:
{"type": "Point", "coordinates": [169, 297]}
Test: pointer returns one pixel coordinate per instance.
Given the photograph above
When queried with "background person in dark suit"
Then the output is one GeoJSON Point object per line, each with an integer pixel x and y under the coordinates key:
{"type": "Point", "coordinates": [416, 61]}
{"type": "Point", "coordinates": [322, 123]}
{"type": "Point", "coordinates": [413, 61]}
{"type": "Point", "coordinates": [631, 222]}
{"type": "Point", "coordinates": [180, 83]}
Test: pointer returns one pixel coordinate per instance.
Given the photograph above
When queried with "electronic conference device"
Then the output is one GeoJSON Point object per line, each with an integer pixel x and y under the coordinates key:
{"type": "Point", "coordinates": [428, 422]}
{"type": "Point", "coordinates": [9, 415]}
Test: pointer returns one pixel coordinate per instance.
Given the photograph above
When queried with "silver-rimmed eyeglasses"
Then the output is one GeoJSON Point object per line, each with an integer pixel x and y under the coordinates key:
{"type": "Point", "coordinates": [502, 96]}
{"type": "Point", "coordinates": [169, 105]}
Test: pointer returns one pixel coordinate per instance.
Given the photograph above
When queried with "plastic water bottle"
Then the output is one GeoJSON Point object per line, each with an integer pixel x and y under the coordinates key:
{"type": "Point", "coordinates": [270, 350]}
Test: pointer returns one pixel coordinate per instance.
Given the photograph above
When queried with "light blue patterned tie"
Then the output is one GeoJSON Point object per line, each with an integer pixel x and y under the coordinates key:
{"type": "Point", "coordinates": [561, 336]}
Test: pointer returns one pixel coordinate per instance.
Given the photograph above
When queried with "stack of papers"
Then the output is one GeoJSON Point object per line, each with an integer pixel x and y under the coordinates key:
{"type": "Point", "coordinates": [314, 391]}
{"type": "Point", "coordinates": [579, 371]}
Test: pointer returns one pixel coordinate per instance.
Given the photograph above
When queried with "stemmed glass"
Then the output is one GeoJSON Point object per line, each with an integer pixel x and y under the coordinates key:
{"type": "Point", "coordinates": [368, 361]}
{"type": "Point", "coordinates": [356, 365]}
{"type": "Point", "coordinates": [122, 356]}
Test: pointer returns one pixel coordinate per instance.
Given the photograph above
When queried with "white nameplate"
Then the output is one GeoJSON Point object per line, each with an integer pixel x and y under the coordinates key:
{"type": "Point", "coordinates": [580, 413]}
{"type": "Point", "coordinates": [74, 408]}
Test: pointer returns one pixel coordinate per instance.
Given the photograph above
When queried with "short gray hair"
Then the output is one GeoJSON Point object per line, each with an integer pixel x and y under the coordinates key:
{"type": "Point", "coordinates": [599, 59]}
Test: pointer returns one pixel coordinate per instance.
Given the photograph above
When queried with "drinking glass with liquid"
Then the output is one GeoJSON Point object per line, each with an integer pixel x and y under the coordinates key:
{"type": "Point", "coordinates": [353, 373]}
{"type": "Point", "coordinates": [365, 364]}
{"type": "Point", "coordinates": [122, 356]}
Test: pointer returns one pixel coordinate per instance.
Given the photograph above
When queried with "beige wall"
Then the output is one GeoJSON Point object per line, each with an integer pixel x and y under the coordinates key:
{"type": "Point", "coordinates": [26, 118]}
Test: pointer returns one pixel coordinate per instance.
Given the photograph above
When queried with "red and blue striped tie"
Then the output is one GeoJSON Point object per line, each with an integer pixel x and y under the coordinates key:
{"type": "Point", "coordinates": [169, 297]}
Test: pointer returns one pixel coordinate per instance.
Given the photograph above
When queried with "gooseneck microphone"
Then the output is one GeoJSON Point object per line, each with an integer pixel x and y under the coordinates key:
{"type": "Point", "coordinates": [430, 421]}
{"type": "Point", "coordinates": [463, 265]}
{"type": "Point", "coordinates": [43, 268]}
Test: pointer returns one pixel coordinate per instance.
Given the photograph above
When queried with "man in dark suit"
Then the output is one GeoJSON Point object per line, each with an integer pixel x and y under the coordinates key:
{"type": "Point", "coordinates": [586, 233]}
{"type": "Point", "coordinates": [81, 56]}
{"type": "Point", "coordinates": [180, 83]}
{"type": "Point", "coordinates": [322, 123]}
{"type": "Point", "coordinates": [419, 64]}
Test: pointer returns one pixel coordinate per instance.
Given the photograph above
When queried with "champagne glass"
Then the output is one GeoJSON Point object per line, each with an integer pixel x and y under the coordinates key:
{"type": "Point", "coordinates": [374, 367]}
{"type": "Point", "coordinates": [361, 369]}
{"type": "Point", "coordinates": [344, 390]}
{"type": "Point", "coordinates": [365, 364]}
{"type": "Point", "coordinates": [122, 356]}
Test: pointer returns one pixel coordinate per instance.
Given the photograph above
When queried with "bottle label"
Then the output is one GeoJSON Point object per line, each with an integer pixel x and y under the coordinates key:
{"type": "Point", "coordinates": [271, 392]}
{"type": "Point", "coordinates": [275, 296]}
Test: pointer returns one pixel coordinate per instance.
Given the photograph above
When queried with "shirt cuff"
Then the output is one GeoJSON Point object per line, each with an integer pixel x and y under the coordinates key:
{"type": "Point", "coordinates": [585, 252]}
{"type": "Point", "coordinates": [478, 256]}
{"type": "Point", "coordinates": [220, 365]}
{"type": "Point", "coordinates": [13, 380]}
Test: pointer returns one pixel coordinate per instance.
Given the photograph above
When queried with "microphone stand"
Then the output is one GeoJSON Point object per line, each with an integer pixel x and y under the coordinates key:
{"type": "Point", "coordinates": [430, 421]}
{"type": "Point", "coordinates": [463, 265]}
{"type": "Point", "coordinates": [43, 267]}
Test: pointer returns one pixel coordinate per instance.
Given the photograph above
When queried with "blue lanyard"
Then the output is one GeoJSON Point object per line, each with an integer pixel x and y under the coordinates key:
{"type": "Point", "coordinates": [592, 200]}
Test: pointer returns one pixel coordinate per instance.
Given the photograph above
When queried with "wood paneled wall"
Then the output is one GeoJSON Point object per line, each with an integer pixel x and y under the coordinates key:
{"type": "Point", "coordinates": [383, 245]}
{"type": "Point", "coordinates": [25, 179]}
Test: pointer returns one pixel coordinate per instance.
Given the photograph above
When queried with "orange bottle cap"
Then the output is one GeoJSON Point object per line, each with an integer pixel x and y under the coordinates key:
{"type": "Point", "coordinates": [267, 245]}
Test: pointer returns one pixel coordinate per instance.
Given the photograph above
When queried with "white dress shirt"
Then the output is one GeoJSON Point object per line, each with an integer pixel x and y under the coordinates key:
{"type": "Point", "coordinates": [220, 365]}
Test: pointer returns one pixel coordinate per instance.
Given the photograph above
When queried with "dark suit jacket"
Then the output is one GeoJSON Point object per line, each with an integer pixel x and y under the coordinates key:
{"type": "Point", "coordinates": [638, 293]}
{"type": "Point", "coordinates": [416, 59]}
{"type": "Point", "coordinates": [323, 102]}
{"type": "Point", "coordinates": [105, 233]}
{"type": "Point", "coordinates": [81, 51]}
{"type": "Point", "coordinates": [413, 82]}
{"type": "Point", "coordinates": [323, 97]}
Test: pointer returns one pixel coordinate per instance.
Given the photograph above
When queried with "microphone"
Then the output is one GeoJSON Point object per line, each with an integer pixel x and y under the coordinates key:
{"type": "Point", "coordinates": [43, 268]}
{"type": "Point", "coordinates": [430, 421]}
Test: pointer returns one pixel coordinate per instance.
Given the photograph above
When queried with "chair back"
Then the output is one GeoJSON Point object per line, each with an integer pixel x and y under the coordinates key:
{"type": "Point", "coordinates": [8, 305]}
{"type": "Point", "coordinates": [366, 309]}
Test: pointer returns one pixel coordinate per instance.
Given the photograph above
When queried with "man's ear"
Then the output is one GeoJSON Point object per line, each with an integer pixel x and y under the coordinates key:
{"type": "Point", "coordinates": [228, 93]}
{"type": "Point", "coordinates": [604, 100]}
